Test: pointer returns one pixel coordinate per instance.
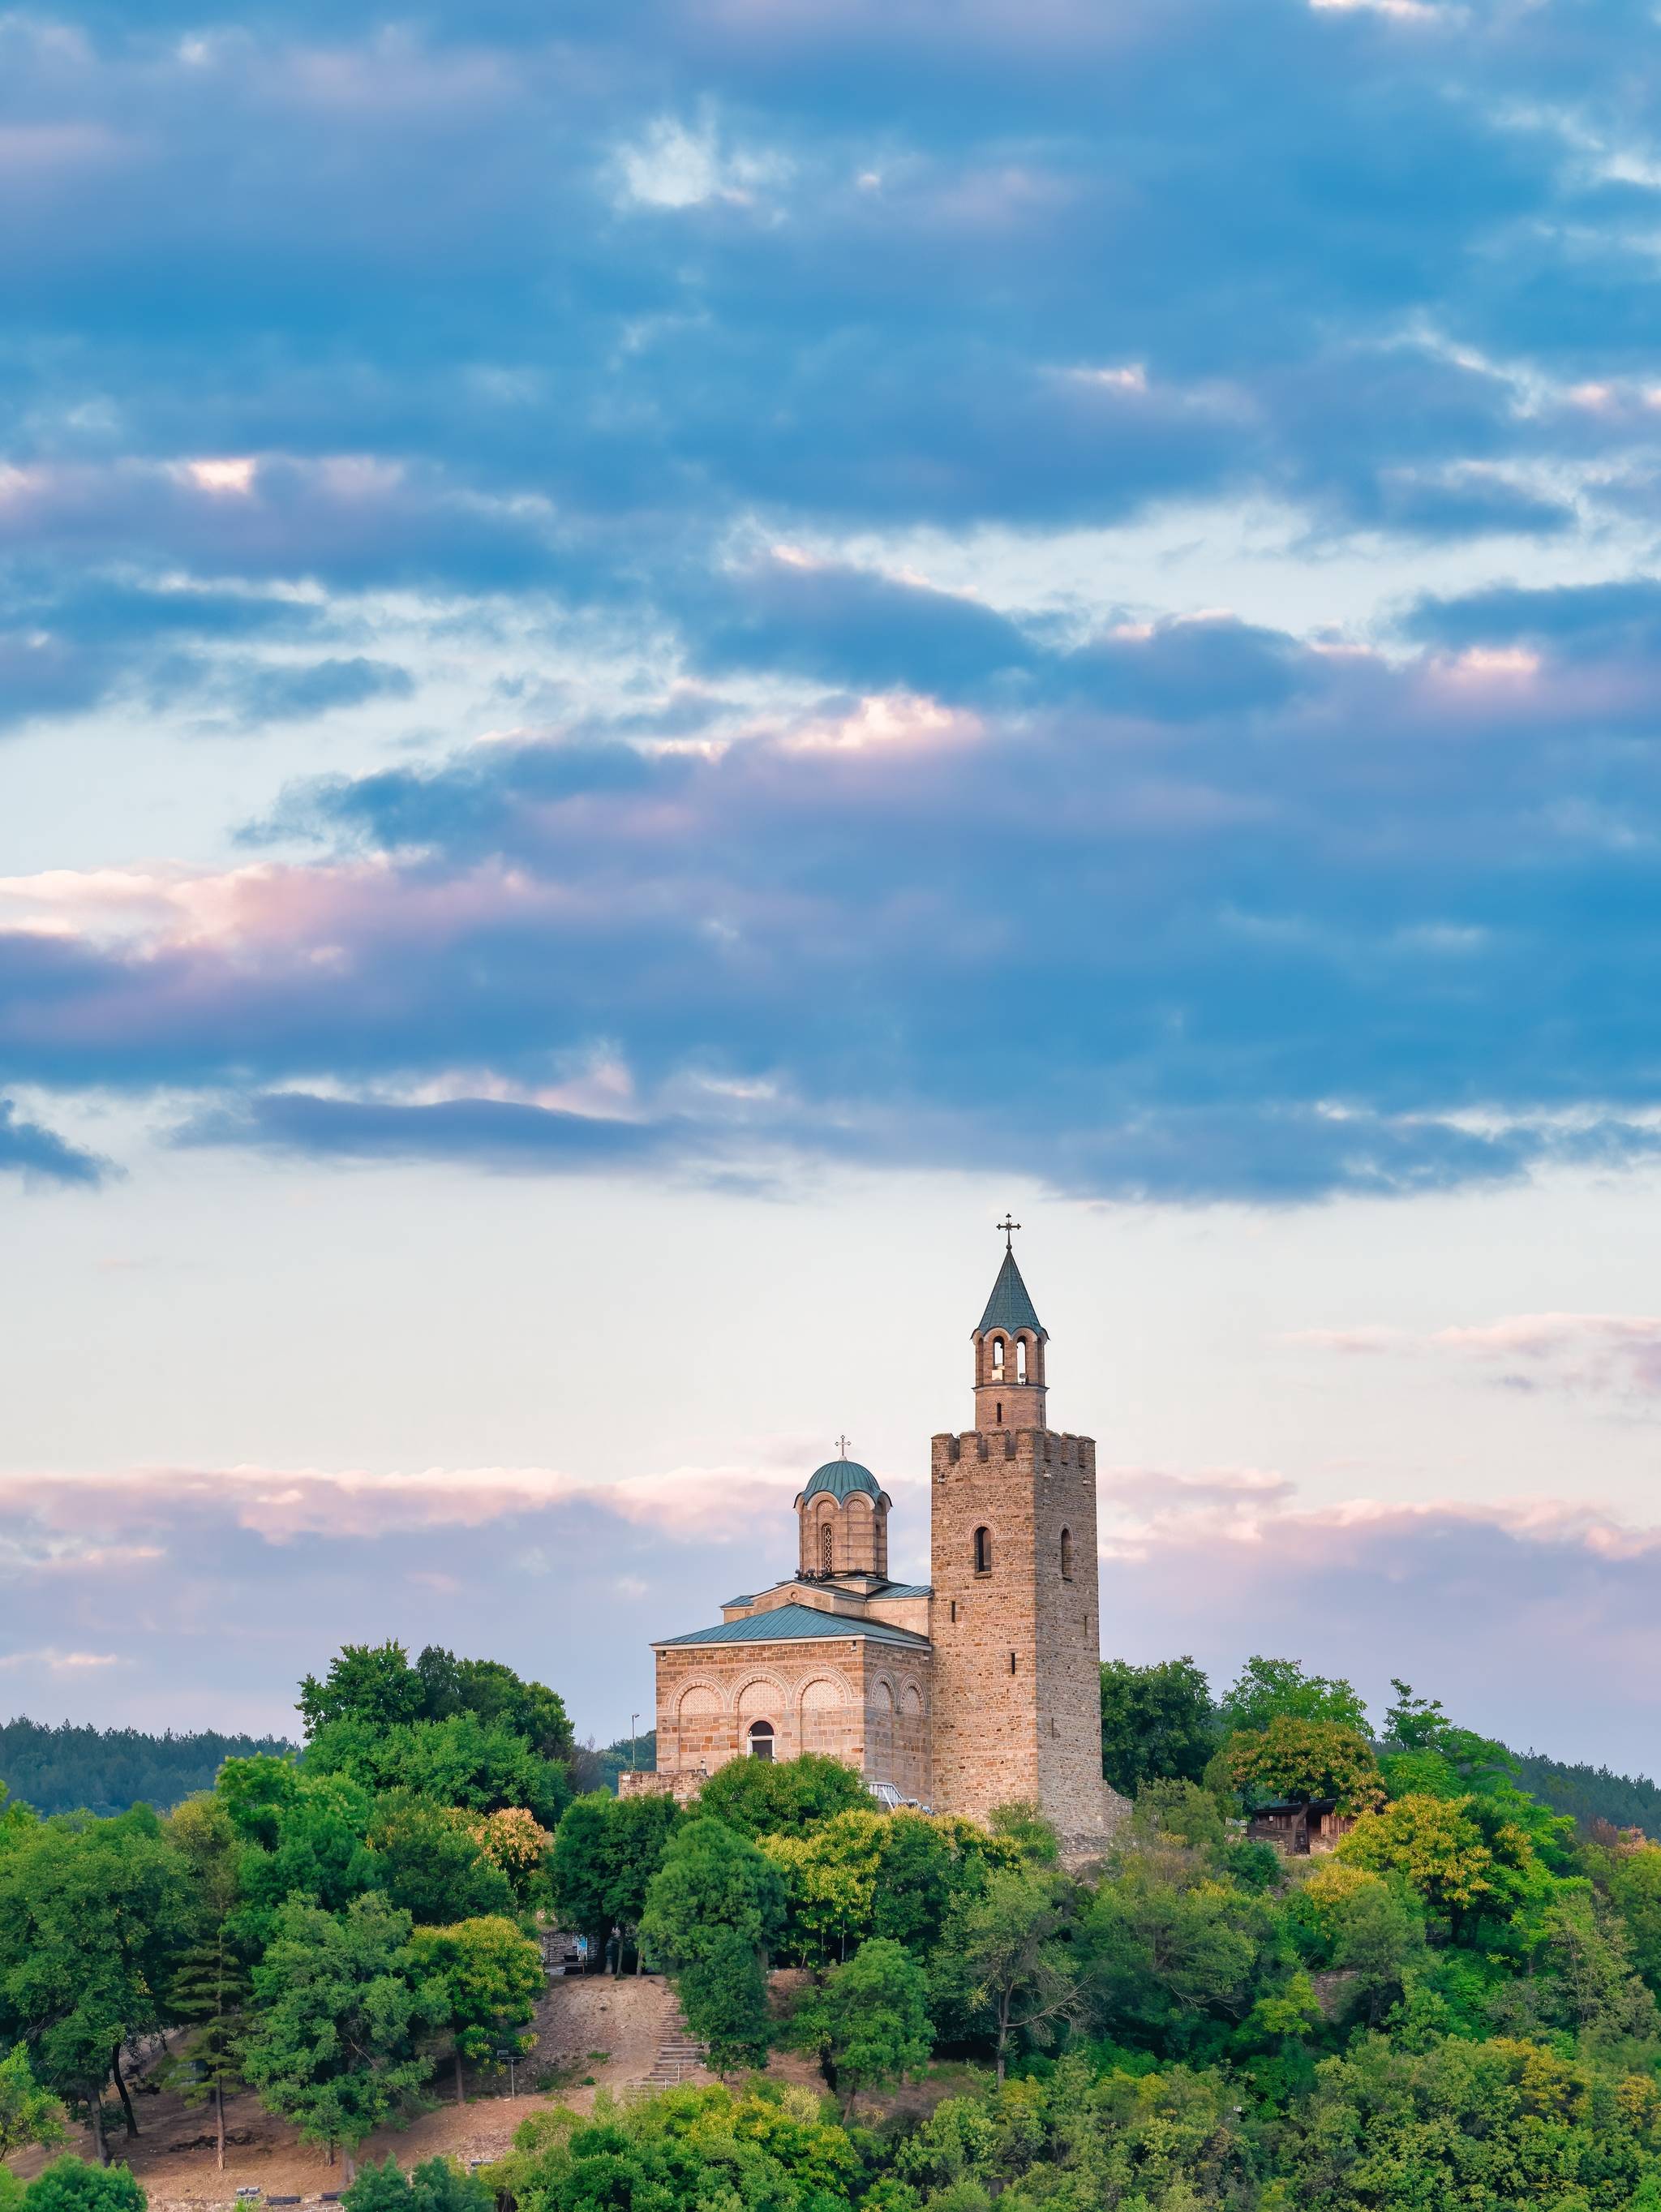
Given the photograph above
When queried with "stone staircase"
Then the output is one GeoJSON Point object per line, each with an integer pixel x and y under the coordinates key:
{"type": "Point", "coordinates": [680, 2057]}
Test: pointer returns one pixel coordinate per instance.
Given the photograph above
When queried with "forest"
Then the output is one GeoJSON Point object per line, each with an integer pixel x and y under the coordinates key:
{"type": "Point", "coordinates": [68, 1769]}
{"type": "Point", "coordinates": [1455, 2006]}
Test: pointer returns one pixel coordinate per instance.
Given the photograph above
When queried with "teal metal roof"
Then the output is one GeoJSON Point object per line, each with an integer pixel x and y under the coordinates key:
{"type": "Point", "coordinates": [842, 1477]}
{"type": "Point", "coordinates": [1009, 1306]}
{"type": "Point", "coordinates": [796, 1624]}
{"type": "Point", "coordinates": [905, 1589]}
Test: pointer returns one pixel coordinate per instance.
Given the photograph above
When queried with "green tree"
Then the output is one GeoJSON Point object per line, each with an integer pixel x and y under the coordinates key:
{"type": "Point", "coordinates": [373, 1683]}
{"type": "Point", "coordinates": [488, 1977]}
{"type": "Point", "coordinates": [1269, 1689]}
{"type": "Point", "coordinates": [340, 2006]}
{"type": "Point", "coordinates": [458, 1761]}
{"type": "Point", "coordinates": [723, 1991]}
{"type": "Point", "coordinates": [28, 2114]}
{"type": "Point", "coordinates": [870, 2022]}
{"type": "Point", "coordinates": [1369, 1931]}
{"type": "Point", "coordinates": [93, 1915]}
{"type": "Point", "coordinates": [210, 1994]}
{"type": "Point", "coordinates": [923, 1868]}
{"type": "Point", "coordinates": [1436, 1845]}
{"type": "Point", "coordinates": [769, 1796]}
{"type": "Point", "coordinates": [69, 2184]}
{"type": "Point", "coordinates": [579, 1868]}
{"type": "Point", "coordinates": [831, 1876]}
{"type": "Point", "coordinates": [714, 1910]}
{"type": "Point", "coordinates": [1002, 1963]}
{"type": "Point", "coordinates": [1631, 1880]}
{"type": "Point", "coordinates": [1505, 2125]}
{"type": "Point", "coordinates": [1302, 1760]}
{"type": "Point", "coordinates": [302, 1834]}
{"type": "Point", "coordinates": [437, 2185]}
{"type": "Point", "coordinates": [637, 1832]}
{"type": "Point", "coordinates": [210, 1987]}
{"type": "Point", "coordinates": [1021, 1823]}
{"type": "Point", "coordinates": [428, 1863]}
{"type": "Point", "coordinates": [1157, 1723]}
{"type": "Point", "coordinates": [1167, 1947]}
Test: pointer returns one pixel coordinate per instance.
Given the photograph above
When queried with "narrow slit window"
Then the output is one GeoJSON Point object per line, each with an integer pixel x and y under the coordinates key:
{"type": "Point", "coordinates": [1066, 1555]}
{"type": "Point", "coordinates": [1012, 1662]}
{"type": "Point", "coordinates": [983, 1551]}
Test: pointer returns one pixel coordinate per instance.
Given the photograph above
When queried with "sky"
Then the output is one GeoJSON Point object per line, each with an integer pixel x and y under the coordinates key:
{"type": "Point", "coordinates": [651, 659]}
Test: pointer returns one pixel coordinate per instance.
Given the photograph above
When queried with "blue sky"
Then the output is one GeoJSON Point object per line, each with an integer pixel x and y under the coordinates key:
{"type": "Point", "coordinates": [650, 660]}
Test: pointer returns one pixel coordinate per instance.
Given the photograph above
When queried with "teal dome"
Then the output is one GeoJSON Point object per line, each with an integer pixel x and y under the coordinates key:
{"type": "Point", "coordinates": [842, 1477]}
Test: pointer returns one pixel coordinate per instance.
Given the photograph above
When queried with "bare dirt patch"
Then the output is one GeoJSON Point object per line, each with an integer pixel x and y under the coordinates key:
{"type": "Point", "coordinates": [172, 2155]}
{"type": "Point", "coordinates": [626, 2021]}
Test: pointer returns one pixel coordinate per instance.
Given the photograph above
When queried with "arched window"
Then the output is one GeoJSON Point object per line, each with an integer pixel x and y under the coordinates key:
{"type": "Point", "coordinates": [827, 1549]}
{"type": "Point", "coordinates": [1021, 1360]}
{"type": "Point", "coordinates": [1066, 1555]}
{"type": "Point", "coordinates": [761, 1740]}
{"type": "Point", "coordinates": [983, 1551]}
{"type": "Point", "coordinates": [997, 1359]}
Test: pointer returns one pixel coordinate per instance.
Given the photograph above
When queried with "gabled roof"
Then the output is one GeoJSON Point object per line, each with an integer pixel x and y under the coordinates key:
{"type": "Point", "coordinates": [796, 1624]}
{"type": "Point", "coordinates": [1009, 1306]}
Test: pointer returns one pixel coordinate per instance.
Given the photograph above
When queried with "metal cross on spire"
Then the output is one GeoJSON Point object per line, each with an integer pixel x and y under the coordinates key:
{"type": "Point", "coordinates": [841, 1447]}
{"type": "Point", "coordinates": [1008, 1227]}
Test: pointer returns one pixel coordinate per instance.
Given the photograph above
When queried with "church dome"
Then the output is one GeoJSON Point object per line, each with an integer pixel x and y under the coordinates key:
{"type": "Point", "coordinates": [841, 1477]}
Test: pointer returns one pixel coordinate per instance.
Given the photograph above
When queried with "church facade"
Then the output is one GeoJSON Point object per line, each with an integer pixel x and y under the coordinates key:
{"type": "Point", "coordinates": [974, 1690]}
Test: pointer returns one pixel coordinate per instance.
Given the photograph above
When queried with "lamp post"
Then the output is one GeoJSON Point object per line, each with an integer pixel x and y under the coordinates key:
{"type": "Point", "coordinates": [633, 1742]}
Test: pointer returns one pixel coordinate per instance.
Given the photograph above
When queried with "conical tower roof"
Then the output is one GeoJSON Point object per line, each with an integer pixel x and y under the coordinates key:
{"type": "Point", "coordinates": [1009, 1307]}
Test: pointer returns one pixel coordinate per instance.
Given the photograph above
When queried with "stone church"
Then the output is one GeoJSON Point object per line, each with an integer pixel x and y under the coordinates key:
{"type": "Point", "coordinates": [973, 1690]}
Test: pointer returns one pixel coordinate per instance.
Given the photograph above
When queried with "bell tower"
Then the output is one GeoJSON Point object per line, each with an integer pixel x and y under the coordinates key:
{"type": "Point", "coordinates": [1015, 1611]}
{"type": "Point", "coordinates": [1010, 1390]}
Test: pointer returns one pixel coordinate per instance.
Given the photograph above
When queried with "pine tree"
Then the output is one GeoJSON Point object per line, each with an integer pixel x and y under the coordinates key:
{"type": "Point", "coordinates": [210, 1993]}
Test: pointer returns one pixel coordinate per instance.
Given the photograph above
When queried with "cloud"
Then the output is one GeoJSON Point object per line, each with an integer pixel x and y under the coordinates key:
{"type": "Point", "coordinates": [1612, 1356]}
{"type": "Point", "coordinates": [38, 1155]}
{"type": "Point", "coordinates": [633, 448]}
{"type": "Point", "coordinates": [1274, 921]}
{"type": "Point", "coordinates": [1534, 1617]}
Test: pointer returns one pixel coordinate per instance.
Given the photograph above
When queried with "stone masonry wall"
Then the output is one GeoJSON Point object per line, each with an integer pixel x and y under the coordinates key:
{"type": "Point", "coordinates": [1017, 1710]}
{"type": "Point", "coordinates": [852, 1697]}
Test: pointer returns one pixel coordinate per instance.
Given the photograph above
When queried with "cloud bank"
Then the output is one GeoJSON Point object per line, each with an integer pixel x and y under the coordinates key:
{"type": "Point", "coordinates": [651, 389]}
{"type": "Point", "coordinates": [1535, 1618]}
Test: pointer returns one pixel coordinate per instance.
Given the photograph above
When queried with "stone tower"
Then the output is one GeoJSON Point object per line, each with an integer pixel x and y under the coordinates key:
{"type": "Point", "coordinates": [1015, 1614]}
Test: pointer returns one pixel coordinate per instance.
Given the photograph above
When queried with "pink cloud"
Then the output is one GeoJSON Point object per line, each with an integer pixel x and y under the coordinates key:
{"type": "Point", "coordinates": [1605, 1354]}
